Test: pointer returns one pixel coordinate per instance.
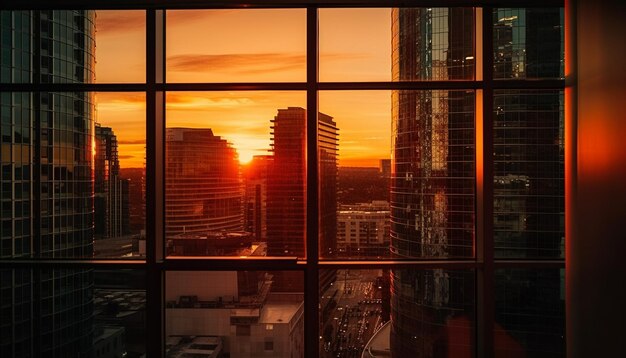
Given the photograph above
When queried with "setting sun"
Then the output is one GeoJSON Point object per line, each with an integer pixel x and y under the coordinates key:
{"type": "Point", "coordinates": [245, 156]}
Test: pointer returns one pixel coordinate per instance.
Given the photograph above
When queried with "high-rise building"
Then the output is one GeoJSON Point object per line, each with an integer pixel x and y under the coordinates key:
{"type": "Point", "coordinates": [47, 186]}
{"type": "Point", "coordinates": [203, 187]}
{"type": "Point", "coordinates": [432, 184]}
{"type": "Point", "coordinates": [433, 179]}
{"type": "Point", "coordinates": [286, 187]}
{"type": "Point", "coordinates": [286, 191]}
{"type": "Point", "coordinates": [286, 197]}
{"type": "Point", "coordinates": [328, 148]}
{"type": "Point", "coordinates": [111, 191]}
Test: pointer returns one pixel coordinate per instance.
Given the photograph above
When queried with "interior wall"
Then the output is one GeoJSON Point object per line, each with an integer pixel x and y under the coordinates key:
{"type": "Point", "coordinates": [596, 179]}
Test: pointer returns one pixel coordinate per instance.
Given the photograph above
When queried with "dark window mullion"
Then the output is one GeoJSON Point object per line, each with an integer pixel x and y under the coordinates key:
{"type": "Point", "coordinates": [311, 290]}
{"type": "Point", "coordinates": [155, 333]}
{"type": "Point", "coordinates": [485, 277]}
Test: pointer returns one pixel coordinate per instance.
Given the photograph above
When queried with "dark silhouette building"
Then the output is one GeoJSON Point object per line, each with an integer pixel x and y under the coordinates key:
{"type": "Point", "coordinates": [286, 196]}
{"type": "Point", "coordinates": [111, 191]}
{"type": "Point", "coordinates": [255, 198]}
{"type": "Point", "coordinates": [286, 192]}
{"type": "Point", "coordinates": [203, 188]}
{"type": "Point", "coordinates": [47, 185]}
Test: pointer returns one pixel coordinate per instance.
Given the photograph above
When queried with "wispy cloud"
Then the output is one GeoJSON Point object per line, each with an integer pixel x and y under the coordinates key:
{"type": "Point", "coordinates": [132, 142]}
{"type": "Point", "coordinates": [112, 22]}
{"type": "Point", "coordinates": [248, 63]}
{"type": "Point", "coordinates": [126, 156]}
{"type": "Point", "coordinates": [239, 63]}
{"type": "Point", "coordinates": [179, 17]}
{"type": "Point", "coordinates": [185, 101]}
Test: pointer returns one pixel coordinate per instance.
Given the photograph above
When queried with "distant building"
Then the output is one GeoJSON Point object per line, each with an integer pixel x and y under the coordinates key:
{"type": "Point", "coordinates": [363, 230]}
{"type": "Point", "coordinates": [250, 323]}
{"type": "Point", "coordinates": [385, 168]}
{"type": "Point", "coordinates": [255, 197]}
{"type": "Point", "coordinates": [137, 198]}
{"type": "Point", "coordinates": [224, 243]}
{"type": "Point", "coordinates": [111, 191]}
{"type": "Point", "coordinates": [203, 189]}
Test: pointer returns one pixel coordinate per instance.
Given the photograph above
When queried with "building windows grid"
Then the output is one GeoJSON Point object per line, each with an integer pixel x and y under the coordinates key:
{"type": "Point", "coordinates": [484, 264]}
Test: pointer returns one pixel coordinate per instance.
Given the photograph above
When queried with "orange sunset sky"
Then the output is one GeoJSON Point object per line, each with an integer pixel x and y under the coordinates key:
{"type": "Point", "coordinates": [251, 45]}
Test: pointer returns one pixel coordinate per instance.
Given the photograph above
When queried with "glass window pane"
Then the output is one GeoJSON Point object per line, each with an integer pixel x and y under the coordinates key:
{"type": "Point", "coordinates": [73, 177]}
{"type": "Point", "coordinates": [530, 313]}
{"type": "Point", "coordinates": [120, 46]}
{"type": "Point", "coordinates": [234, 313]}
{"type": "Point", "coordinates": [432, 313]}
{"type": "Point", "coordinates": [354, 306]}
{"type": "Point", "coordinates": [426, 44]}
{"type": "Point", "coordinates": [251, 45]}
{"type": "Point", "coordinates": [406, 312]}
{"type": "Point", "coordinates": [529, 202]}
{"type": "Point", "coordinates": [355, 146]}
{"type": "Point", "coordinates": [235, 173]}
{"type": "Point", "coordinates": [528, 43]}
{"type": "Point", "coordinates": [73, 312]}
{"type": "Point", "coordinates": [120, 175]}
{"type": "Point", "coordinates": [354, 45]}
{"type": "Point", "coordinates": [420, 204]}
{"type": "Point", "coordinates": [433, 174]}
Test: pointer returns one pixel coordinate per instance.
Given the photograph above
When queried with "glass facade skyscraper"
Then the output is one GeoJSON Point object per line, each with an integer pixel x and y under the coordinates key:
{"type": "Point", "coordinates": [432, 186]}
{"type": "Point", "coordinates": [433, 170]}
{"type": "Point", "coordinates": [529, 202]}
{"type": "Point", "coordinates": [47, 184]}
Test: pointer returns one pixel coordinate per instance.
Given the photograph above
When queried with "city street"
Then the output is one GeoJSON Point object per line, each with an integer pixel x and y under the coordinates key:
{"type": "Point", "coordinates": [354, 317]}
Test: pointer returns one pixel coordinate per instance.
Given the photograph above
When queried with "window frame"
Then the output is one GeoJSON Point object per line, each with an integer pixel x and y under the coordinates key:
{"type": "Point", "coordinates": [156, 264]}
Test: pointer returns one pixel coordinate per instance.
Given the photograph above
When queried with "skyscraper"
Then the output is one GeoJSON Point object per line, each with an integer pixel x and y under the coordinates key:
{"type": "Point", "coordinates": [433, 178]}
{"type": "Point", "coordinates": [286, 197]}
{"type": "Point", "coordinates": [432, 185]}
{"type": "Point", "coordinates": [47, 186]}
{"type": "Point", "coordinates": [286, 191]}
{"type": "Point", "coordinates": [528, 180]}
{"type": "Point", "coordinates": [203, 187]}
{"type": "Point", "coordinates": [111, 191]}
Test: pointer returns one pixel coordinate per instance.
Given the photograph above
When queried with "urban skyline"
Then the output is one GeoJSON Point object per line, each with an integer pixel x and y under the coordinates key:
{"type": "Point", "coordinates": [243, 193]}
